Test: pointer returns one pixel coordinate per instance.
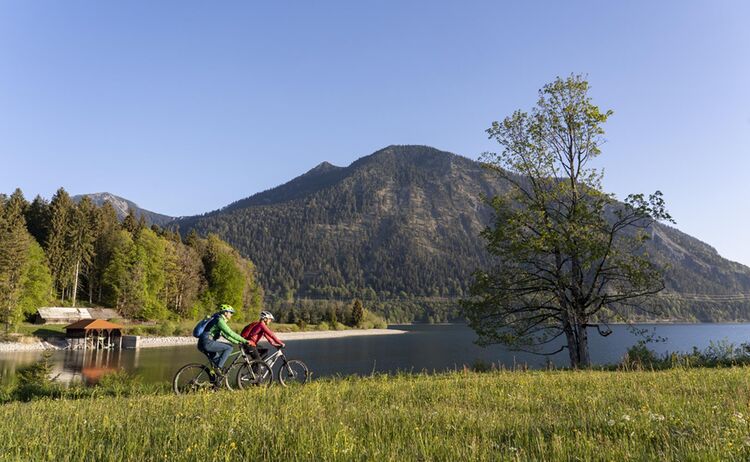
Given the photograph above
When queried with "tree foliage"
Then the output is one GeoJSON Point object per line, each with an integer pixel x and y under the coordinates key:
{"type": "Point", "coordinates": [146, 273]}
{"type": "Point", "coordinates": [566, 252]}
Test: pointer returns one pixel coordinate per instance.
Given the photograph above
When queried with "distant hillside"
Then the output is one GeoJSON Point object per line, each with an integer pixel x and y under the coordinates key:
{"type": "Point", "coordinates": [122, 205]}
{"type": "Point", "coordinates": [405, 221]}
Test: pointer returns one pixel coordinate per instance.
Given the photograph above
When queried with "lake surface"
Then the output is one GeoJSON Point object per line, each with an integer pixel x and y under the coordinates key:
{"type": "Point", "coordinates": [423, 348]}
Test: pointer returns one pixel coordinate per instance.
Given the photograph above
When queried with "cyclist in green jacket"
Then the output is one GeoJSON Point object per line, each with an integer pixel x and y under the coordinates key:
{"type": "Point", "coordinates": [208, 344]}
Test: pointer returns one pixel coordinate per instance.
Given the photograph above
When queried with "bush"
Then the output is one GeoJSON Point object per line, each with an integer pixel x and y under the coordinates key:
{"type": "Point", "coordinates": [34, 381]}
{"type": "Point", "coordinates": [639, 356]}
{"type": "Point", "coordinates": [119, 383]}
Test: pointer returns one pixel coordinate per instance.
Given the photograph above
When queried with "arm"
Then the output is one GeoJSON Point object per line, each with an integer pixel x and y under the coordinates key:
{"type": "Point", "coordinates": [270, 336]}
{"type": "Point", "coordinates": [228, 333]}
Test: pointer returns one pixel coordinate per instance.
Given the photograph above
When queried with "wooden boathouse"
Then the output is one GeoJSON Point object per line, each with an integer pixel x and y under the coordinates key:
{"type": "Point", "coordinates": [95, 334]}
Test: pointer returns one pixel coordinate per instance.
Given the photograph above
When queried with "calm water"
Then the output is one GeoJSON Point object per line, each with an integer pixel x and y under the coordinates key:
{"type": "Point", "coordinates": [424, 347]}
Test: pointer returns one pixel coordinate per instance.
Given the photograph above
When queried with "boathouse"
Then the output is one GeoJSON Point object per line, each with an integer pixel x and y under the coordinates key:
{"type": "Point", "coordinates": [62, 315]}
{"type": "Point", "coordinates": [95, 334]}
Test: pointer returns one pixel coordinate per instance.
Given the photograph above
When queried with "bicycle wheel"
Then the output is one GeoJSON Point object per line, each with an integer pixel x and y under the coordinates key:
{"type": "Point", "coordinates": [294, 371]}
{"type": "Point", "coordinates": [255, 373]}
{"type": "Point", "coordinates": [192, 378]}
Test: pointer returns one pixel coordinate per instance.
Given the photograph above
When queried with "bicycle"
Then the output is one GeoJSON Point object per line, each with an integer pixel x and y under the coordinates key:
{"type": "Point", "coordinates": [291, 371]}
{"type": "Point", "coordinates": [196, 377]}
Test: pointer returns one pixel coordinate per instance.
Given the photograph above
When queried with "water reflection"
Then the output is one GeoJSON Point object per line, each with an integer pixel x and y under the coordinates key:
{"type": "Point", "coordinates": [88, 366]}
{"type": "Point", "coordinates": [424, 347]}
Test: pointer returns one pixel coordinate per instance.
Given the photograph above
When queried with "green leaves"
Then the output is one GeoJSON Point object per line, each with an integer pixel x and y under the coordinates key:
{"type": "Point", "coordinates": [565, 248]}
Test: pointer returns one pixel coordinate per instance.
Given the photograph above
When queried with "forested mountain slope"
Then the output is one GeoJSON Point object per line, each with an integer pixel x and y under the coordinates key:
{"type": "Point", "coordinates": [405, 221]}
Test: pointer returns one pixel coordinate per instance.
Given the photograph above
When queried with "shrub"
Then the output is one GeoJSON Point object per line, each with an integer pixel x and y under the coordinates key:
{"type": "Point", "coordinates": [119, 383]}
{"type": "Point", "coordinates": [639, 356]}
{"type": "Point", "coordinates": [34, 381]}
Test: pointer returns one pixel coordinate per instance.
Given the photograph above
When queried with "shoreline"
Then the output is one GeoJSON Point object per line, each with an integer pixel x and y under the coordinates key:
{"type": "Point", "coordinates": [158, 342]}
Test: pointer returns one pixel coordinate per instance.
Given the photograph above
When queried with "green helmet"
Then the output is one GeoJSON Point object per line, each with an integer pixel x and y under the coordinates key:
{"type": "Point", "coordinates": [224, 308]}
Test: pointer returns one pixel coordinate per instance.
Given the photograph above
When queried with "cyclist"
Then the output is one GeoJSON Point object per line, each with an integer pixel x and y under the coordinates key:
{"type": "Point", "coordinates": [208, 344]}
{"type": "Point", "coordinates": [254, 331]}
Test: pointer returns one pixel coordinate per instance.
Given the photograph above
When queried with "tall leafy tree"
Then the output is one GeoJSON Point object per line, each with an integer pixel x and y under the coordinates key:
{"type": "Point", "coordinates": [14, 245]}
{"type": "Point", "coordinates": [123, 282]}
{"type": "Point", "coordinates": [183, 277]}
{"type": "Point", "coordinates": [150, 258]}
{"type": "Point", "coordinates": [37, 281]}
{"type": "Point", "coordinates": [81, 236]}
{"type": "Point", "coordinates": [106, 228]}
{"type": "Point", "coordinates": [567, 252]}
{"type": "Point", "coordinates": [225, 280]}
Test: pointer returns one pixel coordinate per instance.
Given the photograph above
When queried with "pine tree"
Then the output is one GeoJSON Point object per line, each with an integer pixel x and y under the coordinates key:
{"type": "Point", "coordinates": [358, 313]}
{"type": "Point", "coordinates": [130, 223]}
{"type": "Point", "coordinates": [58, 252]}
{"type": "Point", "coordinates": [38, 219]}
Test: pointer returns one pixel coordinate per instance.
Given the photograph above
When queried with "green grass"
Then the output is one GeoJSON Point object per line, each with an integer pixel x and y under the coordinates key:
{"type": "Point", "coordinates": [695, 414]}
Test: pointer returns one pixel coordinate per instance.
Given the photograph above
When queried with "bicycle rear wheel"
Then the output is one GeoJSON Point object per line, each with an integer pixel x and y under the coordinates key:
{"type": "Point", "coordinates": [192, 378]}
{"type": "Point", "coordinates": [256, 373]}
{"type": "Point", "coordinates": [294, 371]}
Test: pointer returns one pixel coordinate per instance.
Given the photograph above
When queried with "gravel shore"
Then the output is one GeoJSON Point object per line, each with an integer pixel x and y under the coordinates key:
{"type": "Point", "coordinates": [155, 342]}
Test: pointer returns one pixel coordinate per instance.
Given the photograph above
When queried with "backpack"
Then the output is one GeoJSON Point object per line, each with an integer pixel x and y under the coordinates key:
{"type": "Point", "coordinates": [202, 324]}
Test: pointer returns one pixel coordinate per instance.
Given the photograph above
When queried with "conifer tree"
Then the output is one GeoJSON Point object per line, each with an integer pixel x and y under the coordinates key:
{"type": "Point", "coordinates": [130, 223]}
{"type": "Point", "coordinates": [58, 252]}
{"type": "Point", "coordinates": [38, 219]}
{"type": "Point", "coordinates": [81, 239]}
{"type": "Point", "coordinates": [358, 313]}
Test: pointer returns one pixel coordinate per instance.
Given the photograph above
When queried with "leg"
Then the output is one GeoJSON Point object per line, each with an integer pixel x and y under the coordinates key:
{"type": "Point", "coordinates": [209, 354]}
{"type": "Point", "coordinates": [220, 350]}
{"type": "Point", "coordinates": [262, 352]}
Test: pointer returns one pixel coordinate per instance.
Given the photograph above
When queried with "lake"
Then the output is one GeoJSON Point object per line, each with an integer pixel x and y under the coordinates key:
{"type": "Point", "coordinates": [423, 348]}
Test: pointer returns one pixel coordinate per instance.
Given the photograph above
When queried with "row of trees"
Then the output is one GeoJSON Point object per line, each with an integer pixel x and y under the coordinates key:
{"type": "Point", "coordinates": [332, 312]}
{"type": "Point", "coordinates": [63, 251]}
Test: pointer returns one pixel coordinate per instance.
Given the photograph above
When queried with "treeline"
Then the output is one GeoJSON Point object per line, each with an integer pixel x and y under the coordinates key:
{"type": "Point", "coordinates": [325, 312]}
{"type": "Point", "coordinates": [66, 252]}
{"type": "Point", "coordinates": [398, 310]}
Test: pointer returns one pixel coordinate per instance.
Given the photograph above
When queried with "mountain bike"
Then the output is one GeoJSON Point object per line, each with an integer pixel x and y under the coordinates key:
{"type": "Point", "coordinates": [290, 371]}
{"type": "Point", "coordinates": [196, 377]}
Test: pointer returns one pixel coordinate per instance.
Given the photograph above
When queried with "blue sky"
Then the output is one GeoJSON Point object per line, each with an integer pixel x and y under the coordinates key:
{"type": "Point", "coordinates": [184, 107]}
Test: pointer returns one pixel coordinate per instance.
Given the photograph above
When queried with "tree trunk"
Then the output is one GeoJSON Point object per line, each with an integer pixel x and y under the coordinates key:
{"type": "Point", "coordinates": [584, 359]}
{"type": "Point", "coordinates": [75, 283]}
{"type": "Point", "coordinates": [578, 345]}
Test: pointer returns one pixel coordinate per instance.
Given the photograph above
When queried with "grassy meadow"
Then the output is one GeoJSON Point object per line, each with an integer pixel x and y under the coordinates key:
{"type": "Point", "coordinates": [679, 414]}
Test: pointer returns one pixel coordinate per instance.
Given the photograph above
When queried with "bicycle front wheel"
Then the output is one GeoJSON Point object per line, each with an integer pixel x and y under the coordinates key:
{"type": "Point", "coordinates": [294, 371]}
{"type": "Point", "coordinates": [192, 378]}
{"type": "Point", "coordinates": [256, 373]}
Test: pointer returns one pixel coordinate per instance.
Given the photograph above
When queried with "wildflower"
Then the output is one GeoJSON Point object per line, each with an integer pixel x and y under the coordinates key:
{"type": "Point", "coordinates": [611, 423]}
{"type": "Point", "coordinates": [655, 417]}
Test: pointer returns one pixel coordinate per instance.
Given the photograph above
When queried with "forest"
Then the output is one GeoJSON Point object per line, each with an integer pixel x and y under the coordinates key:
{"type": "Point", "coordinates": [67, 253]}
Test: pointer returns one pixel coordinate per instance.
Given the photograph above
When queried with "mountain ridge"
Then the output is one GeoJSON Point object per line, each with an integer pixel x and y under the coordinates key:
{"type": "Point", "coordinates": [406, 220]}
{"type": "Point", "coordinates": [122, 205]}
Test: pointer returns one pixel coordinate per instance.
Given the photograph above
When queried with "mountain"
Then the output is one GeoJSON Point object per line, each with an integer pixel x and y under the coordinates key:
{"type": "Point", "coordinates": [122, 205]}
{"type": "Point", "coordinates": [405, 222]}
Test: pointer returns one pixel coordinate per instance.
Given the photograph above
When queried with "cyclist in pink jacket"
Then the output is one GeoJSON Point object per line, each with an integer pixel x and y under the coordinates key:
{"type": "Point", "coordinates": [255, 331]}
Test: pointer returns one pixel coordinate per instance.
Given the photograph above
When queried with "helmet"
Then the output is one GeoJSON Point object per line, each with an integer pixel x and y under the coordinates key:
{"type": "Point", "coordinates": [224, 308]}
{"type": "Point", "coordinates": [266, 315]}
